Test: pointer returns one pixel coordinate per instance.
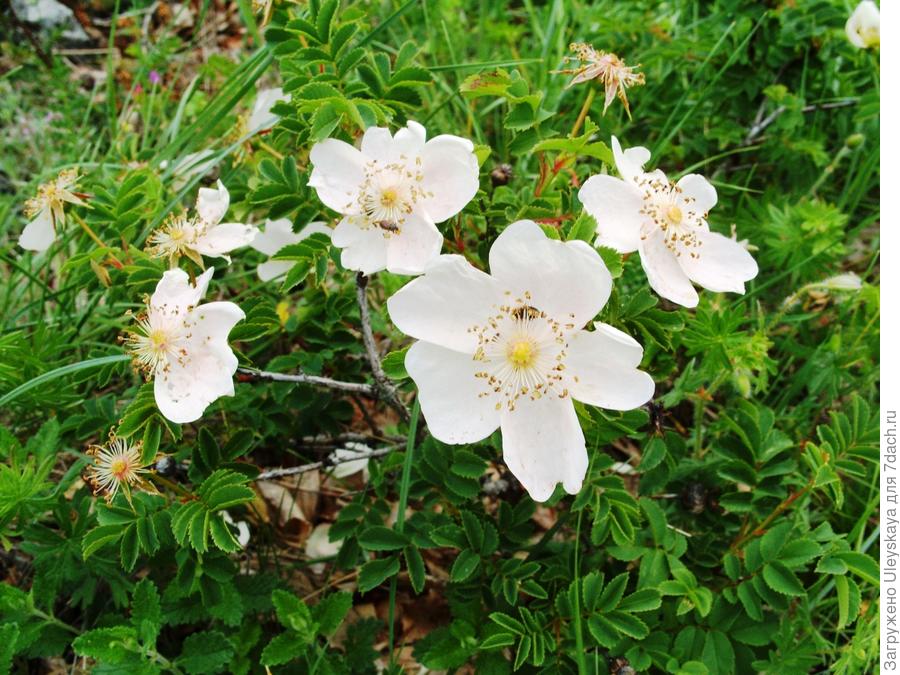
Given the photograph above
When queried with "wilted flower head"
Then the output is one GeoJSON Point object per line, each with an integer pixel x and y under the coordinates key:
{"type": "Point", "coordinates": [509, 349]}
{"type": "Point", "coordinates": [606, 67]}
{"type": "Point", "coordinates": [203, 234]}
{"type": "Point", "coordinates": [391, 192]}
{"type": "Point", "coordinates": [666, 223]}
{"type": "Point", "coordinates": [46, 211]}
{"type": "Point", "coordinates": [183, 346]}
{"type": "Point", "coordinates": [864, 25]}
{"type": "Point", "coordinates": [115, 465]}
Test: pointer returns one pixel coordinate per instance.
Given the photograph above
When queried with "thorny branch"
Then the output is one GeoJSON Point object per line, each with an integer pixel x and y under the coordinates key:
{"type": "Point", "coordinates": [761, 125]}
{"type": "Point", "coordinates": [275, 474]}
{"type": "Point", "coordinates": [383, 385]}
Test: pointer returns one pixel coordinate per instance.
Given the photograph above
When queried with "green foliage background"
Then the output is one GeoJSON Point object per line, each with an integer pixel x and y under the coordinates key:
{"type": "Point", "coordinates": [740, 541]}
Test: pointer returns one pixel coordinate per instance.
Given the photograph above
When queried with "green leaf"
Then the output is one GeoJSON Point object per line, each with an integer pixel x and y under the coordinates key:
{"type": "Point", "coordinates": [654, 453]}
{"type": "Point", "coordinates": [205, 652]}
{"type": "Point", "coordinates": [643, 600]}
{"type": "Point", "coordinates": [394, 364]}
{"type": "Point", "coordinates": [9, 634]}
{"type": "Point", "coordinates": [718, 654]}
{"type": "Point", "coordinates": [146, 614]}
{"type": "Point", "coordinates": [626, 623]}
{"type": "Point", "coordinates": [781, 579]}
{"type": "Point", "coordinates": [860, 564]}
{"type": "Point", "coordinates": [375, 572]}
{"type": "Point", "coordinates": [110, 645]}
{"type": "Point", "coordinates": [62, 371]}
{"type": "Point", "coordinates": [465, 565]}
{"type": "Point", "coordinates": [330, 612]}
{"type": "Point", "coordinates": [415, 566]}
{"type": "Point", "coordinates": [494, 83]}
{"type": "Point", "coordinates": [508, 622]}
{"type": "Point", "coordinates": [294, 614]}
{"type": "Point", "coordinates": [284, 648]}
{"type": "Point", "coordinates": [381, 538]}
{"type": "Point", "coordinates": [613, 261]}
{"type": "Point", "coordinates": [750, 600]}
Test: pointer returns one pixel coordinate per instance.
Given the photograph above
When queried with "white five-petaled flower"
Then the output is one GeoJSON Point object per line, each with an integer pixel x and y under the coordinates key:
{"type": "Point", "coordinates": [864, 25]}
{"type": "Point", "coordinates": [46, 211]}
{"type": "Point", "coordinates": [262, 117]}
{"type": "Point", "coordinates": [275, 236]}
{"type": "Point", "coordinates": [183, 346]}
{"type": "Point", "coordinates": [666, 223]}
{"type": "Point", "coordinates": [391, 192]}
{"type": "Point", "coordinates": [508, 349]}
{"type": "Point", "coordinates": [115, 465]}
{"type": "Point", "coordinates": [203, 234]}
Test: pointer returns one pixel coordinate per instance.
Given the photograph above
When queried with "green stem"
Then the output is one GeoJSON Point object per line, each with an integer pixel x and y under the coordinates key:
{"type": "Point", "coordinates": [579, 638]}
{"type": "Point", "coordinates": [592, 92]}
{"type": "Point", "coordinates": [401, 514]}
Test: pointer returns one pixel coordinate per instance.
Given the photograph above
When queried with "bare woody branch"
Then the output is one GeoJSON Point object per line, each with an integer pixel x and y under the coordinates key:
{"type": "Point", "coordinates": [275, 474]}
{"type": "Point", "coordinates": [315, 380]}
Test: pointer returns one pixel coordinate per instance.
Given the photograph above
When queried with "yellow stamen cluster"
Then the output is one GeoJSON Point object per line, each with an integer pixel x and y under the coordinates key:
{"type": "Point", "coordinates": [666, 205]}
{"type": "Point", "coordinates": [388, 194]}
{"type": "Point", "coordinates": [116, 465]}
{"type": "Point", "coordinates": [177, 237]}
{"type": "Point", "coordinates": [524, 353]}
{"type": "Point", "coordinates": [157, 341]}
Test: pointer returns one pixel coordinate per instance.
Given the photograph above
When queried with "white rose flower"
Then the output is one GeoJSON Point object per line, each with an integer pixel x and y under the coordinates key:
{"type": "Point", "coordinates": [864, 25]}
{"type": "Point", "coordinates": [391, 193]}
{"type": "Point", "coordinates": [205, 234]}
{"type": "Point", "coordinates": [508, 350]}
{"type": "Point", "coordinates": [666, 223]}
{"type": "Point", "coordinates": [276, 235]}
{"type": "Point", "coordinates": [262, 117]}
{"type": "Point", "coordinates": [183, 346]}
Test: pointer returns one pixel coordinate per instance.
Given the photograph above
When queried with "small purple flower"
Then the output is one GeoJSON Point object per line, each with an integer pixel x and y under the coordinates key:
{"type": "Point", "coordinates": [155, 77]}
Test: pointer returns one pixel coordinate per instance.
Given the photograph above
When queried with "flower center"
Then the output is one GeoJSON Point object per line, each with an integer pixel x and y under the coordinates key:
{"type": "Point", "coordinates": [154, 347]}
{"type": "Point", "coordinates": [674, 215]}
{"type": "Point", "coordinates": [119, 468]}
{"type": "Point", "coordinates": [175, 238]}
{"type": "Point", "coordinates": [670, 210]}
{"type": "Point", "coordinates": [523, 351]}
{"type": "Point", "coordinates": [389, 194]}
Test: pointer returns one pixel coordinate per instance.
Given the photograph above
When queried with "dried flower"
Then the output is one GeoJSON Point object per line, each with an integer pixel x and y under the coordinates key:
{"type": "Point", "coordinates": [612, 71]}
{"type": "Point", "coordinates": [46, 211]}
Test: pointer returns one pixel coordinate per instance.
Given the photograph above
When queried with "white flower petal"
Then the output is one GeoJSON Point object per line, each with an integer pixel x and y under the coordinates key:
{"type": "Point", "coordinates": [418, 243]}
{"type": "Point", "coordinates": [409, 140]}
{"type": "Point", "coordinates": [441, 306]}
{"type": "Point", "coordinates": [184, 392]}
{"type": "Point", "coordinates": [176, 293]}
{"type": "Point", "coordinates": [274, 236]}
{"type": "Point", "coordinates": [616, 206]}
{"type": "Point", "coordinates": [863, 28]}
{"type": "Point", "coordinates": [700, 190]}
{"type": "Point", "coordinates": [377, 143]}
{"type": "Point", "coordinates": [338, 172]}
{"type": "Point", "coordinates": [449, 394]}
{"type": "Point", "coordinates": [220, 239]}
{"type": "Point", "coordinates": [543, 445]}
{"type": "Point", "coordinates": [39, 234]}
{"type": "Point", "coordinates": [664, 272]}
{"type": "Point", "coordinates": [630, 162]}
{"type": "Point", "coordinates": [363, 249]}
{"type": "Point", "coordinates": [450, 176]}
{"type": "Point", "coordinates": [567, 280]}
{"type": "Point", "coordinates": [261, 117]}
{"type": "Point", "coordinates": [213, 203]}
{"type": "Point", "coordinates": [722, 265]}
{"type": "Point", "coordinates": [211, 324]}
{"type": "Point", "coordinates": [605, 362]}
{"type": "Point", "coordinates": [273, 269]}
